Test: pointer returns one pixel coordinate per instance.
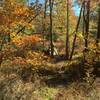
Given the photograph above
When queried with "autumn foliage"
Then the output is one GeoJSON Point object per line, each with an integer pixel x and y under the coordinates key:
{"type": "Point", "coordinates": [27, 40]}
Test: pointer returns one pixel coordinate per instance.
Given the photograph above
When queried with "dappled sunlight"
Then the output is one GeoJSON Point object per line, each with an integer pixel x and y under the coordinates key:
{"type": "Point", "coordinates": [49, 50]}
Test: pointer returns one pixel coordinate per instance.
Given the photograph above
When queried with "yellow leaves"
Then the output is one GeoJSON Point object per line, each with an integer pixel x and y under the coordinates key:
{"type": "Point", "coordinates": [25, 24]}
{"type": "Point", "coordinates": [34, 55]}
{"type": "Point", "coordinates": [12, 35]}
{"type": "Point", "coordinates": [29, 26]}
{"type": "Point", "coordinates": [14, 24]}
{"type": "Point", "coordinates": [80, 35]}
{"type": "Point", "coordinates": [4, 29]}
{"type": "Point", "coordinates": [14, 16]}
{"type": "Point", "coordinates": [22, 23]}
{"type": "Point", "coordinates": [19, 60]}
{"type": "Point", "coordinates": [34, 62]}
{"type": "Point", "coordinates": [35, 58]}
{"type": "Point", "coordinates": [20, 10]}
{"type": "Point", "coordinates": [92, 46]}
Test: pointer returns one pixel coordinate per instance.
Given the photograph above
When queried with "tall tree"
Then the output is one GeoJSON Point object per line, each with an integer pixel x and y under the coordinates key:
{"type": "Point", "coordinates": [67, 33]}
{"type": "Point", "coordinates": [76, 30]}
{"type": "Point", "coordinates": [44, 19]}
{"type": "Point", "coordinates": [87, 4]}
{"type": "Point", "coordinates": [98, 31]}
{"type": "Point", "coordinates": [51, 33]}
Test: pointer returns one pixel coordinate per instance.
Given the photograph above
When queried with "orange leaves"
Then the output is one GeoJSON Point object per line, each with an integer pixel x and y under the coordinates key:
{"type": "Point", "coordinates": [18, 42]}
{"type": "Point", "coordinates": [20, 10]}
{"type": "Point", "coordinates": [34, 38]}
{"type": "Point", "coordinates": [13, 17]}
{"type": "Point", "coordinates": [13, 14]}
{"type": "Point", "coordinates": [27, 40]}
{"type": "Point", "coordinates": [19, 60]}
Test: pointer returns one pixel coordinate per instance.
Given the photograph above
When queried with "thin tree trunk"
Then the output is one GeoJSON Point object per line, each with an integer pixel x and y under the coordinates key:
{"type": "Point", "coordinates": [1, 57]}
{"type": "Point", "coordinates": [87, 24]}
{"type": "Point", "coordinates": [76, 30]}
{"type": "Point", "coordinates": [67, 33]}
{"type": "Point", "coordinates": [44, 26]}
{"type": "Point", "coordinates": [98, 31]}
{"type": "Point", "coordinates": [51, 35]}
{"type": "Point", "coordinates": [83, 19]}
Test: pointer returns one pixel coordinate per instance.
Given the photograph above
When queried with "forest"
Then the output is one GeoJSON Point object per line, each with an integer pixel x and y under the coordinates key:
{"type": "Point", "coordinates": [49, 49]}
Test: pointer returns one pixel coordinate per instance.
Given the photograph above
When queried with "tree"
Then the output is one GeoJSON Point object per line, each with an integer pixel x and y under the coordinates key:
{"type": "Point", "coordinates": [51, 34]}
{"type": "Point", "coordinates": [16, 17]}
{"type": "Point", "coordinates": [87, 22]}
{"type": "Point", "coordinates": [44, 19]}
{"type": "Point", "coordinates": [67, 33]}
{"type": "Point", "coordinates": [75, 32]}
{"type": "Point", "coordinates": [98, 30]}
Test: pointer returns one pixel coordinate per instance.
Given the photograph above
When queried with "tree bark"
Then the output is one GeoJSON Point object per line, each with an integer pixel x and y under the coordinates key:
{"type": "Point", "coordinates": [51, 34]}
{"type": "Point", "coordinates": [44, 19]}
{"type": "Point", "coordinates": [76, 30]}
{"type": "Point", "coordinates": [67, 32]}
{"type": "Point", "coordinates": [87, 23]}
{"type": "Point", "coordinates": [98, 30]}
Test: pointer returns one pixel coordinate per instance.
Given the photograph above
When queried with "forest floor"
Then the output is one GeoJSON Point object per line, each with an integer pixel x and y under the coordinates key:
{"type": "Point", "coordinates": [61, 82]}
{"type": "Point", "coordinates": [27, 74]}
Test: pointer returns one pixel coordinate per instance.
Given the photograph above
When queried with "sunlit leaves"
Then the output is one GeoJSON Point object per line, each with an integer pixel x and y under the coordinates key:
{"type": "Point", "coordinates": [27, 40]}
{"type": "Point", "coordinates": [14, 16]}
{"type": "Point", "coordinates": [19, 60]}
{"type": "Point", "coordinates": [21, 10]}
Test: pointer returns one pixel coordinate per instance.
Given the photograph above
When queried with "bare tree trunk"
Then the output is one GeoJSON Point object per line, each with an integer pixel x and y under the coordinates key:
{"type": "Point", "coordinates": [87, 23]}
{"type": "Point", "coordinates": [76, 30]}
{"type": "Point", "coordinates": [98, 31]}
{"type": "Point", "coordinates": [83, 19]}
{"type": "Point", "coordinates": [67, 32]}
{"type": "Point", "coordinates": [44, 26]}
{"type": "Point", "coordinates": [51, 34]}
{"type": "Point", "coordinates": [1, 57]}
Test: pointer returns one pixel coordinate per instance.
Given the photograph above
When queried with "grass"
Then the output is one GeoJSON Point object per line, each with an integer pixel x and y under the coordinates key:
{"type": "Point", "coordinates": [46, 93]}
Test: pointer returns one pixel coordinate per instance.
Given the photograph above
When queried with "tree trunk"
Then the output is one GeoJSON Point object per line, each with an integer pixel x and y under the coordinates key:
{"type": "Point", "coordinates": [87, 23]}
{"type": "Point", "coordinates": [98, 31]}
{"type": "Point", "coordinates": [1, 57]}
{"type": "Point", "coordinates": [51, 35]}
{"type": "Point", "coordinates": [67, 33]}
{"type": "Point", "coordinates": [76, 30]}
{"type": "Point", "coordinates": [44, 26]}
